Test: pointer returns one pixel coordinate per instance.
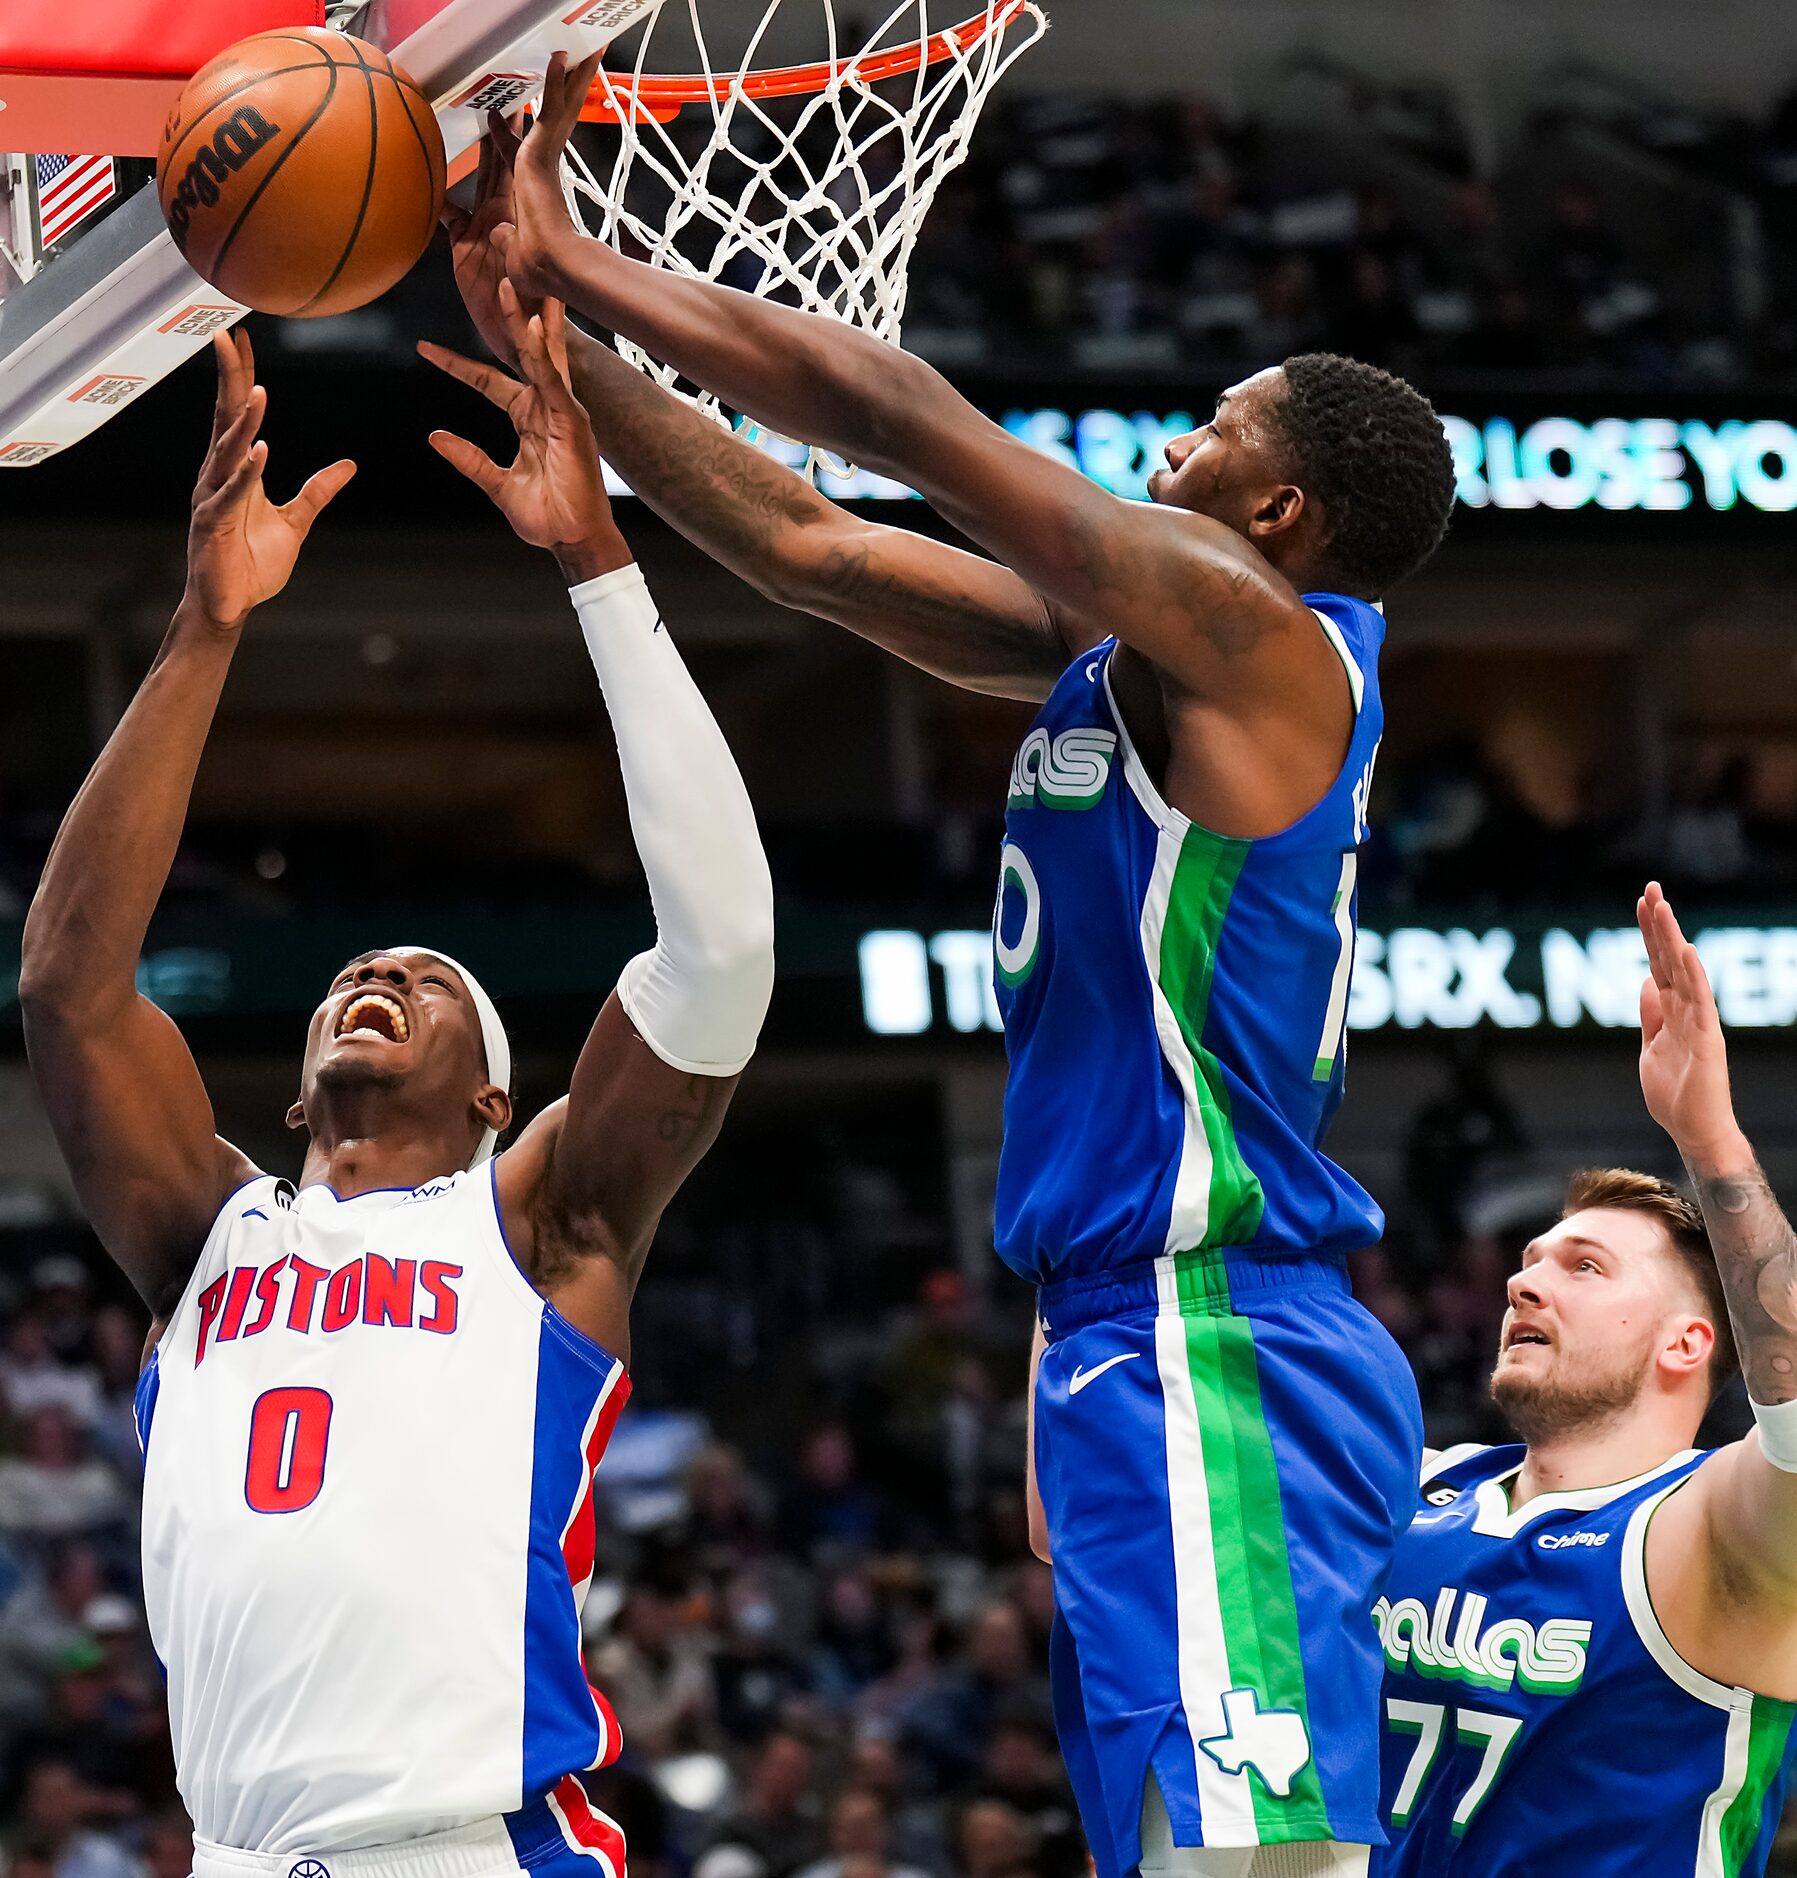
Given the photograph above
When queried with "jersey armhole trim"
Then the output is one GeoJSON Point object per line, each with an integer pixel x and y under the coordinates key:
{"type": "Point", "coordinates": [1645, 1618]}
{"type": "Point", "coordinates": [590, 1349]}
{"type": "Point", "coordinates": [1356, 677]}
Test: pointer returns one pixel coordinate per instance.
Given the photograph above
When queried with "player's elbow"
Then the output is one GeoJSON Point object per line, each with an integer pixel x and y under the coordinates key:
{"type": "Point", "coordinates": [50, 976]}
{"type": "Point", "coordinates": [734, 962]}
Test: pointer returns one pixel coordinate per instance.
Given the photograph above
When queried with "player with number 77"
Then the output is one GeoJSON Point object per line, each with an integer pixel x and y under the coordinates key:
{"type": "Point", "coordinates": [1590, 1636]}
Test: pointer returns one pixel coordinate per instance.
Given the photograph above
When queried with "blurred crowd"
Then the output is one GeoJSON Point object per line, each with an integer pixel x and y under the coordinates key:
{"type": "Point", "coordinates": [1144, 233]}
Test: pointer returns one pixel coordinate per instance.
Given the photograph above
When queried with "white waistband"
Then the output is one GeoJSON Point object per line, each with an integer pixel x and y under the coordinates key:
{"type": "Point", "coordinates": [481, 1850]}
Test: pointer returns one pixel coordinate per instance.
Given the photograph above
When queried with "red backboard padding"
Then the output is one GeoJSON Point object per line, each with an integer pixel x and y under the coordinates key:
{"type": "Point", "coordinates": [136, 38]}
{"type": "Point", "coordinates": [101, 75]}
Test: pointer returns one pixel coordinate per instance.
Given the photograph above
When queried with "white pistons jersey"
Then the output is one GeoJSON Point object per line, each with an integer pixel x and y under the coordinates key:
{"type": "Point", "coordinates": [368, 1520]}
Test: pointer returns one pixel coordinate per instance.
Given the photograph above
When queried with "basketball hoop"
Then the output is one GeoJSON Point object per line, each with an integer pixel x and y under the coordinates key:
{"type": "Point", "coordinates": [816, 202]}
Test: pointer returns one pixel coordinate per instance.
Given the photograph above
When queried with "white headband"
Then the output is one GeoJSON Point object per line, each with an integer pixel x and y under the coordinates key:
{"type": "Point", "coordinates": [492, 1033]}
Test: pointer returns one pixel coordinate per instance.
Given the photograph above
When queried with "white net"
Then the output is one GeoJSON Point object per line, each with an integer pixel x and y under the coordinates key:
{"type": "Point", "coordinates": [816, 197]}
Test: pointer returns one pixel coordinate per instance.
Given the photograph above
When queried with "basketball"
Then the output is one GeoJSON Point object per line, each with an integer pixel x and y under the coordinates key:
{"type": "Point", "coordinates": [301, 172]}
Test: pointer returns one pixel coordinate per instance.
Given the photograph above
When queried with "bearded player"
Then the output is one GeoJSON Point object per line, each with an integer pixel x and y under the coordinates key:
{"type": "Point", "coordinates": [1591, 1638]}
{"type": "Point", "coordinates": [1225, 1441]}
{"type": "Point", "coordinates": [375, 1402]}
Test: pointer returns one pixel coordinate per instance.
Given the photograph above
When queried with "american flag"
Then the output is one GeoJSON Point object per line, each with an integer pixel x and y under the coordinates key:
{"type": "Point", "coordinates": [69, 190]}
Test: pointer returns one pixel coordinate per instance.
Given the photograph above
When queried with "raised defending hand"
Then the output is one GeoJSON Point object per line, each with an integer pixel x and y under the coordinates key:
{"type": "Point", "coordinates": [241, 547]}
{"type": "Point", "coordinates": [478, 260]}
{"type": "Point", "coordinates": [553, 493]}
{"type": "Point", "coordinates": [1684, 1061]}
{"type": "Point", "coordinates": [540, 211]}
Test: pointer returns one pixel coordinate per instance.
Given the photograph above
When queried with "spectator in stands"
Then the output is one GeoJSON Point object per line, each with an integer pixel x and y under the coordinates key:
{"type": "Point", "coordinates": [74, 1823]}
{"type": "Point", "coordinates": [829, 1511]}
{"type": "Point", "coordinates": [118, 1360]}
{"type": "Point", "coordinates": [860, 1828]}
{"type": "Point", "coordinates": [62, 1287]}
{"type": "Point", "coordinates": [853, 1646]}
{"type": "Point", "coordinates": [757, 1674]}
{"type": "Point", "coordinates": [655, 1673]}
{"type": "Point", "coordinates": [947, 1726]}
{"type": "Point", "coordinates": [33, 1376]}
{"type": "Point", "coordinates": [993, 1840]}
{"type": "Point", "coordinates": [777, 1823]}
{"type": "Point", "coordinates": [55, 1487]}
{"type": "Point", "coordinates": [1023, 1769]}
{"type": "Point", "coordinates": [168, 1846]}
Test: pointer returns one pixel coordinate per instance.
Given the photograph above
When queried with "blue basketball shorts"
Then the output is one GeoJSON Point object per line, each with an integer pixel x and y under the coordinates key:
{"type": "Point", "coordinates": [1227, 1450]}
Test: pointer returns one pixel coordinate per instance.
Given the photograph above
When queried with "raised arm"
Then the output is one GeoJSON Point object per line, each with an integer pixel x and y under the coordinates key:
{"type": "Point", "coordinates": [956, 615]}
{"type": "Point", "coordinates": [122, 1091]}
{"type": "Point", "coordinates": [1185, 590]}
{"type": "Point", "coordinates": [1744, 1502]}
{"type": "Point", "coordinates": [584, 1187]}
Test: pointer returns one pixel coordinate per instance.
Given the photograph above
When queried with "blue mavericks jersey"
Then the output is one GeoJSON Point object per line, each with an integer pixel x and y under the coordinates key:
{"type": "Point", "coordinates": [1174, 1001]}
{"type": "Point", "coordinates": [1538, 1722]}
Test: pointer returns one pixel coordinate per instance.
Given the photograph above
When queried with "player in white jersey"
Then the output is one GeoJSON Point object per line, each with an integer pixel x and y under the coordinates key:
{"type": "Point", "coordinates": [373, 1403]}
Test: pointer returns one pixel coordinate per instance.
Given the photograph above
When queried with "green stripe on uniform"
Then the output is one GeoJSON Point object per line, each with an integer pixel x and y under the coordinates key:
{"type": "Point", "coordinates": [1253, 1571]}
{"type": "Point", "coordinates": [1768, 1737]}
{"type": "Point", "coordinates": [1198, 900]}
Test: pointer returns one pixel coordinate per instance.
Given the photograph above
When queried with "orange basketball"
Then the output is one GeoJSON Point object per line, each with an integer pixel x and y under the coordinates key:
{"type": "Point", "coordinates": [301, 172]}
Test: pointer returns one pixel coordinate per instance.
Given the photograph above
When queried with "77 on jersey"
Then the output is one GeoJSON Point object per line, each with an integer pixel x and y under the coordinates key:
{"type": "Point", "coordinates": [1428, 1721]}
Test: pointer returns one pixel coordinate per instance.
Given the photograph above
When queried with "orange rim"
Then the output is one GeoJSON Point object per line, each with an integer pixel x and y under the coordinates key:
{"type": "Point", "coordinates": [663, 98]}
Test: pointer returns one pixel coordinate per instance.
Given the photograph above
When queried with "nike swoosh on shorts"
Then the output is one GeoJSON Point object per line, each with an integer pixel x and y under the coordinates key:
{"type": "Point", "coordinates": [1083, 1376]}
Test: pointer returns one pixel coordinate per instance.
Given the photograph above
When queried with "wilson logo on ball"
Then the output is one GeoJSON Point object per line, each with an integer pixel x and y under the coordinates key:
{"type": "Point", "coordinates": [238, 139]}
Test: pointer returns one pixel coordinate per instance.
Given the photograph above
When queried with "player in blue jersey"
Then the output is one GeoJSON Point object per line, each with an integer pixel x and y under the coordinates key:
{"type": "Point", "coordinates": [1174, 941]}
{"type": "Point", "coordinates": [1591, 1638]}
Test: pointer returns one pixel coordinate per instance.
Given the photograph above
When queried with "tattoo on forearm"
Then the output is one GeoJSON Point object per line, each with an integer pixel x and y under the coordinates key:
{"type": "Point", "coordinates": [1756, 1253]}
{"type": "Point", "coordinates": [715, 488]}
{"type": "Point", "coordinates": [742, 508]}
{"type": "Point", "coordinates": [860, 581]}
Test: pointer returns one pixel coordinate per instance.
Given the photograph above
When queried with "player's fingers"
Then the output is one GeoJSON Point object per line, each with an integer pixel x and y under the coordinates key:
{"type": "Point", "coordinates": [231, 384]}
{"type": "Point", "coordinates": [502, 139]}
{"type": "Point", "coordinates": [564, 92]}
{"type": "Point", "coordinates": [320, 488]}
{"type": "Point", "coordinates": [488, 380]}
{"type": "Point", "coordinates": [242, 479]}
{"type": "Point", "coordinates": [246, 352]}
{"type": "Point", "coordinates": [1653, 1016]}
{"type": "Point", "coordinates": [228, 453]}
{"type": "Point", "coordinates": [555, 332]}
{"type": "Point", "coordinates": [1659, 959]}
{"type": "Point", "coordinates": [511, 315]}
{"type": "Point", "coordinates": [533, 357]}
{"type": "Point", "coordinates": [1689, 978]}
{"type": "Point", "coordinates": [483, 174]}
{"type": "Point", "coordinates": [475, 464]}
{"type": "Point", "coordinates": [454, 219]}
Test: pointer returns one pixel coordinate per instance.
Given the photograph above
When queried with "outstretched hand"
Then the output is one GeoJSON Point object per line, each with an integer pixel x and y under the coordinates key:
{"type": "Point", "coordinates": [476, 256]}
{"type": "Point", "coordinates": [241, 547]}
{"type": "Point", "coordinates": [553, 492]}
{"type": "Point", "coordinates": [541, 222]}
{"type": "Point", "coordinates": [1684, 1060]}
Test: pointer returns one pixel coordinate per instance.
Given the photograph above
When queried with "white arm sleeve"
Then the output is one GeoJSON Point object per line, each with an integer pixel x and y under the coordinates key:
{"type": "Point", "coordinates": [699, 998]}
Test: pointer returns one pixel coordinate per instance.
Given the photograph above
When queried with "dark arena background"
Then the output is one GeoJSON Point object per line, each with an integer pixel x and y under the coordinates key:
{"type": "Point", "coordinates": [1573, 223]}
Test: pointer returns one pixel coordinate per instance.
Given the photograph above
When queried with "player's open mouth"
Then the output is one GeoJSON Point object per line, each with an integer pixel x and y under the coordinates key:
{"type": "Point", "coordinates": [1525, 1333]}
{"type": "Point", "coordinates": [374, 1014]}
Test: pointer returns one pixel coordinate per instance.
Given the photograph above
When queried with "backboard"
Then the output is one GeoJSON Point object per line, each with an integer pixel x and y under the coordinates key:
{"type": "Point", "coordinates": [106, 307]}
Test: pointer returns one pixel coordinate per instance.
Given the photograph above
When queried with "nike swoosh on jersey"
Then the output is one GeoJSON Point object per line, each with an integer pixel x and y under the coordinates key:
{"type": "Point", "coordinates": [1083, 1376]}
